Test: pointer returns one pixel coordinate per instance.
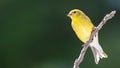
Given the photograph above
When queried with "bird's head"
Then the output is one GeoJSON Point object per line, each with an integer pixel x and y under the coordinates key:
{"type": "Point", "coordinates": [75, 13]}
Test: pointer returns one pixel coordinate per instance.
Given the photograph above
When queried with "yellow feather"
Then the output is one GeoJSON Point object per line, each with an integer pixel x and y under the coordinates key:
{"type": "Point", "coordinates": [83, 27]}
{"type": "Point", "coordinates": [81, 24]}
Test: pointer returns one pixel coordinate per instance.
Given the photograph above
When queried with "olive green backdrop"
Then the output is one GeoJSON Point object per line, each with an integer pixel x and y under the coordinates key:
{"type": "Point", "coordinates": [38, 34]}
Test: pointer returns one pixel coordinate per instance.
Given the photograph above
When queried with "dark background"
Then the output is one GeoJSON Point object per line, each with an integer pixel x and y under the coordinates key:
{"type": "Point", "coordinates": [38, 34]}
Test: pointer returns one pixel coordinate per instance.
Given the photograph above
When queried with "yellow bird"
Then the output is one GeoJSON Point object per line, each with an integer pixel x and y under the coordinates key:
{"type": "Point", "coordinates": [83, 27]}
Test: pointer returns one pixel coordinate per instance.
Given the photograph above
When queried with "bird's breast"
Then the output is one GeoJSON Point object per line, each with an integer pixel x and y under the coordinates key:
{"type": "Point", "coordinates": [82, 30]}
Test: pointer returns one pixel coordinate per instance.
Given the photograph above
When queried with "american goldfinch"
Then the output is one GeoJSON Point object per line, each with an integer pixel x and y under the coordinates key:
{"type": "Point", "coordinates": [83, 27]}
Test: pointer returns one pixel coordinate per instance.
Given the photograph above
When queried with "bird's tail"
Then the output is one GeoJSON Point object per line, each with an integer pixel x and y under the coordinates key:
{"type": "Point", "coordinates": [97, 49]}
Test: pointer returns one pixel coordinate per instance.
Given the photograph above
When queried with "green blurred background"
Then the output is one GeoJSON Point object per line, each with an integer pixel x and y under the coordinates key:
{"type": "Point", "coordinates": [38, 34]}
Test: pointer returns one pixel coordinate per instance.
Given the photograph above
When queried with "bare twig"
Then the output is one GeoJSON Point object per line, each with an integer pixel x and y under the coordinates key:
{"type": "Point", "coordinates": [86, 45]}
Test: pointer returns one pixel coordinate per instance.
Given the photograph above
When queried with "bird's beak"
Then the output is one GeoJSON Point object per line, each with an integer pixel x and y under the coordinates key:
{"type": "Point", "coordinates": [69, 15]}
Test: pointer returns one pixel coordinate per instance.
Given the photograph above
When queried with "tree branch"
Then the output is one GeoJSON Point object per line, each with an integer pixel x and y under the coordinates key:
{"type": "Point", "coordinates": [86, 45]}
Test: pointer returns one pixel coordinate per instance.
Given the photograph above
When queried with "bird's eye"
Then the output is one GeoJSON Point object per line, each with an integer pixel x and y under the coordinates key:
{"type": "Point", "coordinates": [74, 12]}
